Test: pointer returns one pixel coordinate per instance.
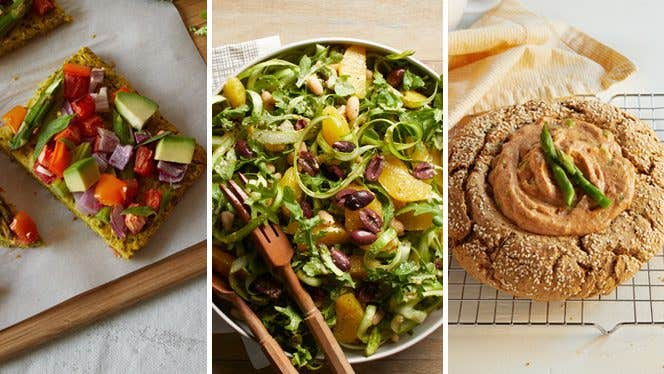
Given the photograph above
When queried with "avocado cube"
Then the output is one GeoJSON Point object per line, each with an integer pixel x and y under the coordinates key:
{"type": "Point", "coordinates": [134, 108]}
{"type": "Point", "coordinates": [81, 175]}
{"type": "Point", "coordinates": [175, 148]}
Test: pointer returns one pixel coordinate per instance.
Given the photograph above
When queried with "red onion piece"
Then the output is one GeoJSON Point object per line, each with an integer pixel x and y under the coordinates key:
{"type": "Point", "coordinates": [86, 202]}
{"type": "Point", "coordinates": [66, 108]}
{"type": "Point", "coordinates": [142, 136]}
{"type": "Point", "coordinates": [171, 172]}
{"type": "Point", "coordinates": [121, 156]}
{"type": "Point", "coordinates": [96, 78]}
{"type": "Point", "coordinates": [102, 161]}
{"type": "Point", "coordinates": [118, 223]}
{"type": "Point", "coordinates": [101, 100]}
{"type": "Point", "coordinates": [106, 141]}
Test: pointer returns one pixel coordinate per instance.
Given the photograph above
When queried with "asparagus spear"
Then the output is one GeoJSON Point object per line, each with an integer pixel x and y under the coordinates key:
{"type": "Point", "coordinates": [564, 184]}
{"type": "Point", "coordinates": [36, 114]}
{"type": "Point", "coordinates": [559, 175]}
{"type": "Point", "coordinates": [5, 219]}
{"type": "Point", "coordinates": [556, 157]}
{"type": "Point", "coordinates": [14, 12]}
{"type": "Point", "coordinates": [580, 180]}
{"type": "Point", "coordinates": [546, 142]}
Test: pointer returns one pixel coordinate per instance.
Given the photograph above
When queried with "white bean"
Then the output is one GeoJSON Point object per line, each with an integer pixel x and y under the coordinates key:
{"type": "Point", "coordinates": [352, 108]}
{"type": "Point", "coordinates": [314, 85]}
{"type": "Point", "coordinates": [268, 100]}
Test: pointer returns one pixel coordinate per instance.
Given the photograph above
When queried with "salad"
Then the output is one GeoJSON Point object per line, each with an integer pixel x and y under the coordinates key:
{"type": "Point", "coordinates": [103, 150]}
{"type": "Point", "coordinates": [343, 148]}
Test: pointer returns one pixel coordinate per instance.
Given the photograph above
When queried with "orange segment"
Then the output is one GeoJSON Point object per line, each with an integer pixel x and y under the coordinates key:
{"type": "Point", "coordinates": [400, 184]}
{"type": "Point", "coordinates": [349, 315]}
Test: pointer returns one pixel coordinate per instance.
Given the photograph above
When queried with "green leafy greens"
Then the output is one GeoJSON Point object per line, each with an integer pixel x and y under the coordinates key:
{"type": "Point", "coordinates": [269, 136]}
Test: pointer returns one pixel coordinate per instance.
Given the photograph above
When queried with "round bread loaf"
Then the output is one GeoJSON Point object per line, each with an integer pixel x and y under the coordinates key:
{"type": "Point", "coordinates": [537, 247]}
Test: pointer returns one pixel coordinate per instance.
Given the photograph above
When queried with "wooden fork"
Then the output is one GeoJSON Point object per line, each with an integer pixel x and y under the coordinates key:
{"type": "Point", "coordinates": [277, 251]}
{"type": "Point", "coordinates": [270, 347]}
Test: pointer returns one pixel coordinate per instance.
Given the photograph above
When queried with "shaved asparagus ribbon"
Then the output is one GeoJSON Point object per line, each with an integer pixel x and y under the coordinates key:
{"type": "Point", "coordinates": [36, 114]}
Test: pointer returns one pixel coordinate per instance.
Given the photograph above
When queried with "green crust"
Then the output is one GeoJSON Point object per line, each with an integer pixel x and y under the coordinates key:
{"type": "Point", "coordinates": [133, 242]}
{"type": "Point", "coordinates": [7, 239]}
{"type": "Point", "coordinates": [33, 26]}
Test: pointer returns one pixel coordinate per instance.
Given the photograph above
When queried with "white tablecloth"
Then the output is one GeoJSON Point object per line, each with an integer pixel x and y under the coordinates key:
{"type": "Point", "coordinates": [165, 334]}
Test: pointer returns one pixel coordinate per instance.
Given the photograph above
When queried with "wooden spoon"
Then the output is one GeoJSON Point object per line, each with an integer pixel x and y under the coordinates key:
{"type": "Point", "coordinates": [277, 251]}
{"type": "Point", "coordinates": [269, 346]}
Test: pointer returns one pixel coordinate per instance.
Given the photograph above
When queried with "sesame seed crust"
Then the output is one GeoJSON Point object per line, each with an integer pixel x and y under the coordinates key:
{"type": "Point", "coordinates": [495, 251]}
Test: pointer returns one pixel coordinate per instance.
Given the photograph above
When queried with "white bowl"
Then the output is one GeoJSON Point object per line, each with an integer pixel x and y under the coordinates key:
{"type": "Point", "coordinates": [435, 319]}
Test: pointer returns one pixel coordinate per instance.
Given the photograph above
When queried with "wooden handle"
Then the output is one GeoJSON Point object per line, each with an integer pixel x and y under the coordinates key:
{"type": "Point", "coordinates": [270, 347]}
{"type": "Point", "coordinates": [334, 355]}
{"type": "Point", "coordinates": [102, 301]}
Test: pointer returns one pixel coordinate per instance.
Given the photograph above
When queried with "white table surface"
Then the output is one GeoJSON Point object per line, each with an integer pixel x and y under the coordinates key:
{"type": "Point", "coordinates": [634, 28]}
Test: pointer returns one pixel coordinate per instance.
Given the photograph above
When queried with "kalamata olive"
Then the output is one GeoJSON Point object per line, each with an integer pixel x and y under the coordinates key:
{"type": "Point", "coordinates": [334, 172]}
{"type": "Point", "coordinates": [358, 199]}
{"type": "Point", "coordinates": [307, 163]}
{"type": "Point", "coordinates": [318, 296]}
{"type": "Point", "coordinates": [307, 211]}
{"type": "Point", "coordinates": [340, 259]}
{"type": "Point", "coordinates": [395, 77]}
{"type": "Point", "coordinates": [367, 292]}
{"type": "Point", "coordinates": [374, 168]}
{"type": "Point", "coordinates": [242, 149]}
{"type": "Point", "coordinates": [341, 196]}
{"type": "Point", "coordinates": [301, 123]}
{"type": "Point", "coordinates": [371, 220]}
{"type": "Point", "coordinates": [424, 170]}
{"type": "Point", "coordinates": [344, 146]}
{"type": "Point", "coordinates": [362, 237]}
{"type": "Point", "coordinates": [268, 286]}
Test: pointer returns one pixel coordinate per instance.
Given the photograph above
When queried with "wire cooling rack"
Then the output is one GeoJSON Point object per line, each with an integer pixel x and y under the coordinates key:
{"type": "Point", "coordinates": [639, 301]}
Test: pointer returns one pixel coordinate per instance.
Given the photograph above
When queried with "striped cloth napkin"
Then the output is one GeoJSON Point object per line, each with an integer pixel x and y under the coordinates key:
{"type": "Point", "coordinates": [512, 55]}
{"type": "Point", "coordinates": [228, 59]}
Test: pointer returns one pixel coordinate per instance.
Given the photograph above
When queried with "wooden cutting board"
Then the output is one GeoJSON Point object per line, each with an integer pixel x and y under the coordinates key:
{"type": "Point", "coordinates": [120, 293]}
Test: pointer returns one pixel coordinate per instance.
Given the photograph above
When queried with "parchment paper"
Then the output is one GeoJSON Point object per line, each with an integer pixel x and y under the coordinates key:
{"type": "Point", "coordinates": [151, 47]}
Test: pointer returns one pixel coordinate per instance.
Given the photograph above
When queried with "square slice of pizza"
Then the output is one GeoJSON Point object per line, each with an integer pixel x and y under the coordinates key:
{"type": "Point", "coordinates": [104, 150]}
{"type": "Point", "coordinates": [22, 20]}
{"type": "Point", "coordinates": [17, 229]}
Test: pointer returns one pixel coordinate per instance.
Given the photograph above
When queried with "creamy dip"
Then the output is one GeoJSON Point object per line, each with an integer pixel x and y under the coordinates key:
{"type": "Point", "coordinates": [525, 191]}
